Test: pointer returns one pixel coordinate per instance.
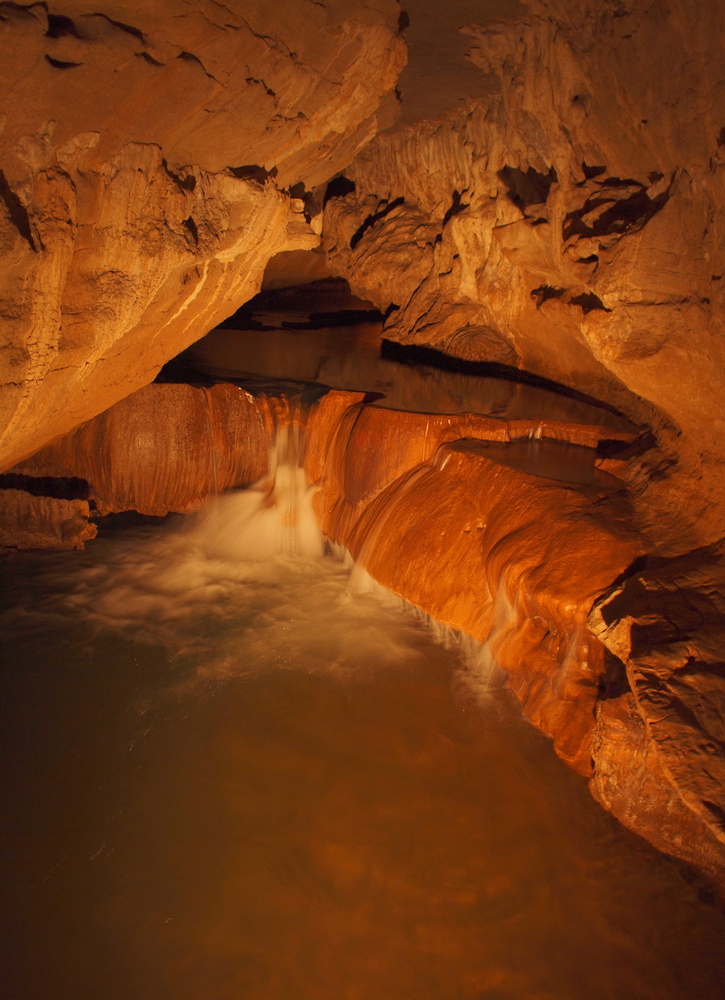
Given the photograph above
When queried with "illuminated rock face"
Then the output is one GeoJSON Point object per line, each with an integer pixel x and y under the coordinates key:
{"type": "Point", "coordinates": [658, 742]}
{"type": "Point", "coordinates": [41, 522]}
{"type": "Point", "coordinates": [572, 225]}
{"type": "Point", "coordinates": [147, 153]}
{"type": "Point", "coordinates": [430, 509]}
{"type": "Point", "coordinates": [165, 448]}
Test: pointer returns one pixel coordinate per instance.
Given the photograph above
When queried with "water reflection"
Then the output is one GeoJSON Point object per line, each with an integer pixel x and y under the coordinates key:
{"type": "Point", "coordinates": [350, 358]}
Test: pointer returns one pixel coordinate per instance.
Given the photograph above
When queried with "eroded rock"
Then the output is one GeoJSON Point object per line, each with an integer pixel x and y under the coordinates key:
{"type": "Point", "coordinates": [485, 546]}
{"type": "Point", "coordinates": [147, 155]}
{"type": "Point", "coordinates": [570, 224]}
{"type": "Point", "coordinates": [43, 522]}
{"type": "Point", "coordinates": [165, 448]}
{"type": "Point", "coordinates": [659, 746]}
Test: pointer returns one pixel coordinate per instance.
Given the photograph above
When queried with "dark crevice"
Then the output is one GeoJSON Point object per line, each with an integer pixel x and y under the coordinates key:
{"type": "Point", "coordinates": [627, 215]}
{"type": "Point", "coordinates": [149, 59]}
{"type": "Point", "coordinates": [60, 488]}
{"type": "Point", "coordinates": [17, 211]}
{"type": "Point", "coordinates": [185, 184]}
{"type": "Point", "coordinates": [626, 450]}
{"type": "Point", "coordinates": [192, 228]}
{"type": "Point", "coordinates": [60, 64]}
{"type": "Point", "coordinates": [190, 57]}
{"type": "Point", "coordinates": [59, 25]}
{"type": "Point", "coordinates": [528, 187]}
{"type": "Point", "coordinates": [588, 301]}
{"type": "Point", "coordinates": [372, 219]}
{"type": "Point", "coordinates": [591, 172]}
{"type": "Point", "coordinates": [615, 682]}
{"type": "Point", "coordinates": [403, 21]}
{"type": "Point", "coordinates": [311, 204]}
{"type": "Point", "coordinates": [456, 208]}
{"type": "Point", "coordinates": [413, 354]}
{"type": "Point", "coordinates": [339, 187]}
{"type": "Point", "coordinates": [261, 83]}
{"type": "Point", "coordinates": [545, 292]}
{"type": "Point", "coordinates": [128, 28]}
{"type": "Point", "coordinates": [253, 172]}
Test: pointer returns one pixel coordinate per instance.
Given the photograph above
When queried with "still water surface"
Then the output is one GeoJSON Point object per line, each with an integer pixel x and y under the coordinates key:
{"type": "Point", "coordinates": [237, 779]}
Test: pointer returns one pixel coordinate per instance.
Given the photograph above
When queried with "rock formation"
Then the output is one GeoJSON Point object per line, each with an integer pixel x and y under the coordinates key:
{"type": "Point", "coordinates": [42, 522]}
{"type": "Point", "coordinates": [149, 158]}
{"type": "Point", "coordinates": [566, 220]}
{"type": "Point", "coordinates": [164, 449]}
{"type": "Point", "coordinates": [572, 225]}
{"type": "Point", "coordinates": [659, 744]}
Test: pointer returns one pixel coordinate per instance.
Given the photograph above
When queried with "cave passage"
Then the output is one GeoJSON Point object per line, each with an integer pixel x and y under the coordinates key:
{"type": "Point", "coordinates": [242, 772]}
{"type": "Point", "coordinates": [335, 353]}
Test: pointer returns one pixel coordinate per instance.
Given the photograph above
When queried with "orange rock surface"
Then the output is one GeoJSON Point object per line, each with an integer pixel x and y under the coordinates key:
{"type": "Point", "coordinates": [146, 157]}
{"type": "Point", "coordinates": [166, 448]}
{"type": "Point", "coordinates": [513, 559]}
{"type": "Point", "coordinates": [659, 743]}
{"type": "Point", "coordinates": [570, 223]}
{"type": "Point", "coordinates": [39, 522]}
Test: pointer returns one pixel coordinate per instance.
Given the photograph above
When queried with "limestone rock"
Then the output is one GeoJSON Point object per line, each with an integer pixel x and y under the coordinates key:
{"type": "Point", "coordinates": [570, 224]}
{"type": "Point", "coordinates": [165, 448]}
{"type": "Point", "coordinates": [474, 539]}
{"type": "Point", "coordinates": [40, 522]}
{"type": "Point", "coordinates": [659, 746]}
{"type": "Point", "coordinates": [146, 157]}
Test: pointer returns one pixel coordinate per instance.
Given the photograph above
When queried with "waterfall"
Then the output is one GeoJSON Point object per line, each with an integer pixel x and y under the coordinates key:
{"type": "Point", "coordinates": [275, 516]}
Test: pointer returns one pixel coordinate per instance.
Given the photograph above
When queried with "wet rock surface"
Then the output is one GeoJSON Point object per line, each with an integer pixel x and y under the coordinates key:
{"type": "Point", "coordinates": [29, 521]}
{"type": "Point", "coordinates": [164, 449]}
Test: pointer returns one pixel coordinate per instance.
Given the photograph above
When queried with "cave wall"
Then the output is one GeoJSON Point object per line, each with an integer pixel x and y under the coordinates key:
{"type": "Point", "coordinates": [147, 154]}
{"type": "Point", "coordinates": [570, 224]}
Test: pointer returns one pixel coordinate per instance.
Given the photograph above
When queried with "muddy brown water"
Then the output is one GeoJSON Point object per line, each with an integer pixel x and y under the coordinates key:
{"type": "Point", "coordinates": [227, 779]}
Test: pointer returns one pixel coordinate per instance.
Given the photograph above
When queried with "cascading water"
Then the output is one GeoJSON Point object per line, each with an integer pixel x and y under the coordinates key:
{"type": "Point", "coordinates": [241, 775]}
{"type": "Point", "coordinates": [272, 518]}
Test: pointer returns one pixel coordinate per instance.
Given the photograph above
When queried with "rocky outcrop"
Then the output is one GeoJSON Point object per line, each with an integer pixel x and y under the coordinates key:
{"type": "Point", "coordinates": [464, 529]}
{"type": "Point", "coordinates": [571, 225]}
{"type": "Point", "coordinates": [659, 743]}
{"type": "Point", "coordinates": [28, 521]}
{"type": "Point", "coordinates": [165, 448]}
{"type": "Point", "coordinates": [149, 155]}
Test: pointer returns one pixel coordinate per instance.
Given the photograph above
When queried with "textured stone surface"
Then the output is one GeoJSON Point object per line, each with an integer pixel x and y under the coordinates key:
{"type": "Point", "coordinates": [165, 448]}
{"type": "Point", "coordinates": [513, 559]}
{"type": "Point", "coordinates": [146, 155]}
{"type": "Point", "coordinates": [570, 224]}
{"type": "Point", "coordinates": [659, 746]}
{"type": "Point", "coordinates": [39, 522]}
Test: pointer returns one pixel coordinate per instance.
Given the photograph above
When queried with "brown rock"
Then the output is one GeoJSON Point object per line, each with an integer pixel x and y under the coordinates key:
{"type": "Point", "coordinates": [38, 522]}
{"type": "Point", "coordinates": [145, 156]}
{"type": "Point", "coordinates": [659, 747]}
{"type": "Point", "coordinates": [511, 558]}
{"type": "Point", "coordinates": [166, 448]}
{"type": "Point", "coordinates": [571, 224]}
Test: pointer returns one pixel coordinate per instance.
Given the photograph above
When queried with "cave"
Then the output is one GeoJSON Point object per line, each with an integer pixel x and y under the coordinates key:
{"type": "Point", "coordinates": [362, 492]}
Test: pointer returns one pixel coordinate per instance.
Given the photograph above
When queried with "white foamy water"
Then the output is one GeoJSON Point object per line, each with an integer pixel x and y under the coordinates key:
{"type": "Point", "coordinates": [250, 583]}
